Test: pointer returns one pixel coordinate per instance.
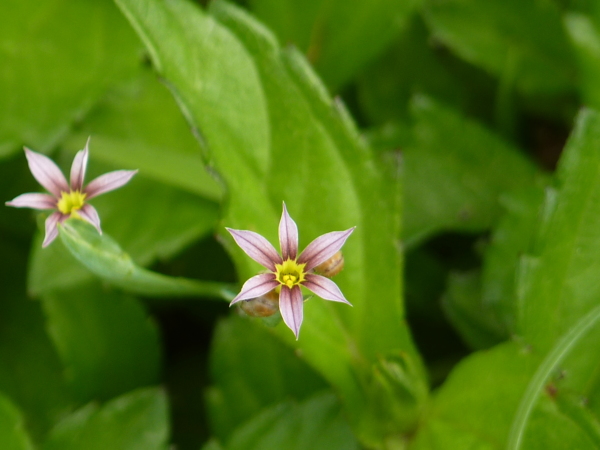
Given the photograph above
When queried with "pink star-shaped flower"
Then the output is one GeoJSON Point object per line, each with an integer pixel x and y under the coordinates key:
{"type": "Point", "coordinates": [67, 200]}
{"type": "Point", "coordinates": [288, 271]}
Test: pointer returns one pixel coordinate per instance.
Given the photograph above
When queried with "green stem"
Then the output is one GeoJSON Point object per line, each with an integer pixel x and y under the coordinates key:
{"type": "Point", "coordinates": [105, 258]}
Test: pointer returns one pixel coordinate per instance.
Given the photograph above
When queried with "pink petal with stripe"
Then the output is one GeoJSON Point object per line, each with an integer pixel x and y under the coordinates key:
{"type": "Point", "coordinates": [79, 167]}
{"type": "Point", "coordinates": [33, 200]}
{"type": "Point", "coordinates": [324, 288]}
{"type": "Point", "coordinates": [108, 182]}
{"type": "Point", "coordinates": [46, 173]}
{"type": "Point", "coordinates": [257, 248]}
{"type": "Point", "coordinates": [256, 286]}
{"type": "Point", "coordinates": [89, 213]}
{"type": "Point", "coordinates": [290, 305]}
{"type": "Point", "coordinates": [288, 236]}
{"type": "Point", "coordinates": [323, 248]}
{"type": "Point", "coordinates": [52, 228]}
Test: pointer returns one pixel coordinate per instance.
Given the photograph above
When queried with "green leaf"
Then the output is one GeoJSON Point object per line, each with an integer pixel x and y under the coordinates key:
{"type": "Point", "coordinates": [103, 257]}
{"type": "Point", "coordinates": [473, 319]}
{"type": "Point", "coordinates": [476, 404]}
{"type": "Point", "coordinates": [135, 421]}
{"type": "Point", "coordinates": [413, 64]}
{"type": "Point", "coordinates": [567, 342]}
{"type": "Point", "coordinates": [31, 373]}
{"type": "Point", "coordinates": [273, 134]}
{"type": "Point", "coordinates": [106, 341]}
{"type": "Point", "coordinates": [454, 172]}
{"type": "Point", "coordinates": [13, 435]}
{"type": "Point", "coordinates": [315, 424]}
{"type": "Point", "coordinates": [585, 36]}
{"type": "Point", "coordinates": [502, 36]}
{"type": "Point", "coordinates": [57, 58]}
{"type": "Point", "coordinates": [326, 30]}
{"type": "Point", "coordinates": [53, 267]}
{"type": "Point", "coordinates": [251, 370]}
{"type": "Point", "coordinates": [561, 286]}
{"type": "Point", "coordinates": [511, 238]}
{"type": "Point", "coordinates": [550, 429]}
{"type": "Point", "coordinates": [152, 236]}
{"type": "Point", "coordinates": [127, 132]}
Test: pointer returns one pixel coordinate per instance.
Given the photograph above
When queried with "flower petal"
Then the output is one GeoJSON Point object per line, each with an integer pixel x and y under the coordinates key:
{"type": "Point", "coordinates": [288, 236]}
{"type": "Point", "coordinates": [324, 288]}
{"type": "Point", "coordinates": [257, 248]}
{"type": "Point", "coordinates": [78, 168]}
{"type": "Point", "coordinates": [323, 248]}
{"type": "Point", "coordinates": [46, 173]}
{"type": "Point", "coordinates": [89, 213]}
{"type": "Point", "coordinates": [51, 228]}
{"type": "Point", "coordinates": [34, 200]}
{"type": "Point", "coordinates": [108, 182]}
{"type": "Point", "coordinates": [256, 286]}
{"type": "Point", "coordinates": [290, 305]}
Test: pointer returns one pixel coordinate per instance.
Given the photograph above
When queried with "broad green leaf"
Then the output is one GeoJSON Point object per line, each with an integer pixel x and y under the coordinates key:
{"type": "Point", "coordinates": [543, 373]}
{"type": "Point", "coordinates": [314, 424]}
{"type": "Point", "coordinates": [138, 124]}
{"type": "Point", "coordinates": [549, 429]}
{"type": "Point", "coordinates": [135, 421]}
{"type": "Point", "coordinates": [511, 237]}
{"type": "Point", "coordinates": [251, 370]}
{"type": "Point", "coordinates": [13, 435]}
{"type": "Point", "coordinates": [326, 30]}
{"type": "Point", "coordinates": [106, 341]}
{"type": "Point", "coordinates": [585, 36]}
{"type": "Point", "coordinates": [473, 319]}
{"type": "Point", "coordinates": [56, 59]}
{"type": "Point", "coordinates": [477, 402]}
{"type": "Point", "coordinates": [412, 65]}
{"type": "Point", "coordinates": [476, 405]}
{"type": "Point", "coordinates": [103, 257]}
{"type": "Point", "coordinates": [562, 283]}
{"type": "Point", "coordinates": [574, 407]}
{"type": "Point", "coordinates": [521, 40]}
{"type": "Point", "coordinates": [454, 173]}
{"type": "Point", "coordinates": [31, 374]}
{"type": "Point", "coordinates": [441, 435]}
{"type": "Point", "coordinates": [273, 134]}
{"type": "Point", "coordinates": [153, 235]}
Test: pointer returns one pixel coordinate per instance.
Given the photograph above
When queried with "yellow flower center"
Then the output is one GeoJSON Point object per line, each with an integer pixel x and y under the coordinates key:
{"type": "Point", "coordinates": [290, 273]}
{"type": "Point", "coordinates": [70, 202]}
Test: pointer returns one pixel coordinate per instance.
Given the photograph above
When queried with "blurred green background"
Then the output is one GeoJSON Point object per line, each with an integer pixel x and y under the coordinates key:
{"type": "Point", "coordinates": [472, 101]}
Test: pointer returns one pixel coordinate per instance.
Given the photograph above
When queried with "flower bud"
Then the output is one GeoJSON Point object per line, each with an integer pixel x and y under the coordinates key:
{"type": "Point", "coordinates": [263, 306]}
{"type": "Point", "coordinates": [332, 266]}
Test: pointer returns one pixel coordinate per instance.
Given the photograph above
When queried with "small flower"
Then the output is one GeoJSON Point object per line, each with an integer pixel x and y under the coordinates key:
{"type": "Point", "coordinates": [67, 200]}
{"type": "Point", "coordinates": [287, 272]}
